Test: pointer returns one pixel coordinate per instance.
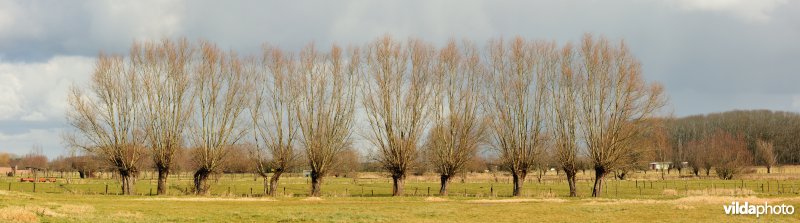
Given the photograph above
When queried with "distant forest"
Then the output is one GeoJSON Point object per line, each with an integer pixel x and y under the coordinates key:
{"type": "Point", "coordinates": [778, 127]}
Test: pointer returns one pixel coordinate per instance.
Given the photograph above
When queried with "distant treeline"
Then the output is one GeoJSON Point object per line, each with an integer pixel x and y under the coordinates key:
{"type": "Point", "coordinates": [778, 127]}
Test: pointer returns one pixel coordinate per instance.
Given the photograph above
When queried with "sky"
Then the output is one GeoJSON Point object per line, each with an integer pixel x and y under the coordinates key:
{"type": "Point", "coordinates": [711, 55]}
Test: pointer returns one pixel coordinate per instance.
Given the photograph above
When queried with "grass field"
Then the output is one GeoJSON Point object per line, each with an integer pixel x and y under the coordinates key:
{"type": "Point", "coordinates": [644, 197]}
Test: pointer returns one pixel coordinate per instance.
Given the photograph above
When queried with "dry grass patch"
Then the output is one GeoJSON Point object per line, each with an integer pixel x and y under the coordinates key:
{"type": "Point", "coordinates": [204, 199]}
{"type": "Point", "coordinates": [555, 200]}
{"type": "Point", "coordinates": [436, 199]}
{"type": "Point", "coordinates": [606, 201]}
{"type": "Point", "coordinates": [728, 199]}
{"type": "Point", "coordinates": [669, 192]}
{"type": "Point", "coordinates": [312, 199]}
{"type": "Point", "coordinates": [13, 194]}
{"type": "Point", "coordinates": [722, 192]}
{"type": "Point", "coordinates": [128, 214]}
{"type": "Point", "coordinates": [17, 214]}
{"type": "Point", "coordinates": [75, 209]}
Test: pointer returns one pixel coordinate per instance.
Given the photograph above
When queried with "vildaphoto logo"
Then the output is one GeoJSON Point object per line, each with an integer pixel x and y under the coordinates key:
{"type": "Point", "coordinates": [757, 209]}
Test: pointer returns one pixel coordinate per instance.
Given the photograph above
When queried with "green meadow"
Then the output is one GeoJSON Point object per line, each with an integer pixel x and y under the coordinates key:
{"type": "Point", "coordinates": [642, 197]}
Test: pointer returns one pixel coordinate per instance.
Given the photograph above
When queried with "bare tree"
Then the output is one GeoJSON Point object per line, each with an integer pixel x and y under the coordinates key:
{"type": "Point", "coordinates": [239, 159]}
{"type": "Point", "coordinates": [106, 118]}
{"type": "Point", "coordinates": [34, 159]}
{"type": "Point", "coordinates": [730, 155]}
{"type": "Point", "coordinates": [274, 120]}
{"type": "Point", "coordinates": [164, 68]}
{"type": "Point", "coordinates": [641, 151]}
{"type": "Point", "coordinates": [459, 127]}
{"type": "Point", "coordinates": [695, 160]}
{"type": "Point", "coordinates": [396, 99]}
{"type": "Point", "coordinates": [222, 86]}
{"type": "Point", "coordinates": [347, 163]}
{"type": "Point", "coordinates": [563, 86]}
{"type": "Point", "coordinates": [86, 165]}
{"type": "Point", "coordinates": [5, 159]}
{"type": "Point", "coordinates": [615, 101]}
{"type": "Point", "coordinates": [326, 95]}
{"type": "Point", "coordinates": [766, 154]}
{"type": "Point", "coordinates": [517, 96]}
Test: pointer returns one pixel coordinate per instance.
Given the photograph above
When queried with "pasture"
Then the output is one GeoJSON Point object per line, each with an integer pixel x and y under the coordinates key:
{"type": "Point", "coordinates": [474, 198]}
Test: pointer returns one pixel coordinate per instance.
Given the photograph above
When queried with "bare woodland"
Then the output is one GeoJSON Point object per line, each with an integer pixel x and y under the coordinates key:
{"type": "Point", "coordinates": [515, 98]}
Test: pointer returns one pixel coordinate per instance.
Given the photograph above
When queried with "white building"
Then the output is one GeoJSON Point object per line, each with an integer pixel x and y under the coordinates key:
{"type": "Point", "coordinates": [660, 165]}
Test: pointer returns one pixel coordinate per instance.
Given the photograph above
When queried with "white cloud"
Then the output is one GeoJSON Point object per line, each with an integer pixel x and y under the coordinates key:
{"type": "Point", "coordinates": [34, 116]}
{"type": "Point", "coordinates": [749, 10]}
{"type": "Point", "coordinates": [434, 20]}
{"type": "Point", "coordinates": [10, 102]}
{"type": "Point", "coordinates": [136, 19]}
{"type": "Point", "coordinates": [6, 15]}
{"type": "Point", "coordinates": [37, 91]}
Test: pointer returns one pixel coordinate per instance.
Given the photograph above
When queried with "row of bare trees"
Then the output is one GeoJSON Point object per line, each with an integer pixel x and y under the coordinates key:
{"type": "Point", "coordinates": [170, 95]}
{"type": "Point", "coordinates": [518, 97]}
{"type": "Point", "coordinates": [524, 97]}
{"type": "Point", "coordinates": [591, 97]}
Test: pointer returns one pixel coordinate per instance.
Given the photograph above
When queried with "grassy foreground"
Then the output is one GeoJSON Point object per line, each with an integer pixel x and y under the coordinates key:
{"type": "Point", "coordinates": [26, 207]}
{"type": "Point", "coordinates": [644, 197]}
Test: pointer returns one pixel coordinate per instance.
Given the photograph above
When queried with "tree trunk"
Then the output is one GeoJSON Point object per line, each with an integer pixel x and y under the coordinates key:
{"type": "Point", "coordinates": [519, 178]}
{"type": "Point", "coordinates": [708, 171]}
{"type": "Point", "coordinates": [599, 174]}
{"type": "Point", "coordinates": [163, 173]}
{"type": "Point", "coordinates": [398, 184]}
{"type": "Point", "coordinates": [128, 185]}
{"type": "Point", "coordinates": [266, 186]}
{"type": "Point", "coordinates": [768, 169]}
{"type": "Point", "coordinates": [273, 183]}
{"type": "Point", "coordinates": [573, 189]}
{"type": "Point", "coordinates": [445, 181]}
{"type": "Point", "coordinates": [201, 181]}
{"type": "Point", "coordinates": [316, 184]}
{"type": "Point", "coordinates": [539, 175]}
